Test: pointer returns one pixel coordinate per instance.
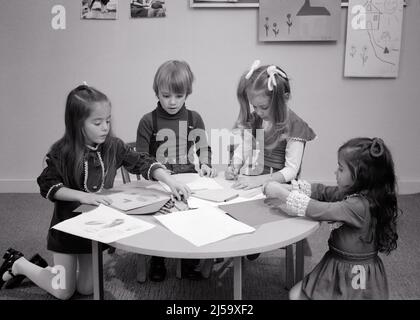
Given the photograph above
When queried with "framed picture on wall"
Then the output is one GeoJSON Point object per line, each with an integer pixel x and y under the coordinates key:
{"type": "Point", "coordinates": [224, 3]}
{"type": "Point", "coordinates": [99, 9]}
{"type": "Point", "coordinates": [147, 8]}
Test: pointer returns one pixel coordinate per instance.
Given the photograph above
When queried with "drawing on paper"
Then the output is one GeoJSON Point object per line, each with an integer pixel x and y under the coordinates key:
{"type": "Point", "coordinates": [373, 38]}
{"type": "Point", "coordinates": [299, 20]}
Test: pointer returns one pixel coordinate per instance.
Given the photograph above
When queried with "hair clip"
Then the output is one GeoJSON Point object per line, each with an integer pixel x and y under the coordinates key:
{"type": "Point", "coordinates": [254, 66]}
{"type": "Point", "coordinates": [377, 147]}
{"type": "Point", "coordinates": [272, 71]}
{"type": "Point", "coordinates": [85, 84]}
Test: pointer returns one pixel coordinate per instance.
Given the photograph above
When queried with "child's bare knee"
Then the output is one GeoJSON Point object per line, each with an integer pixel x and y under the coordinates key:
{"type": "Point", "coordinates": [294, 293]}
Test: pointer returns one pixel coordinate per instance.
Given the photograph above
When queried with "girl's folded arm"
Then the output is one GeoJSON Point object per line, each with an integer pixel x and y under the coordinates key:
{"type": "Point", "coordinates": [325, 193]}
{"type": "Point", "coordinates": [50, 180]}
{"type": "Point", "coordinates": [351, 211]}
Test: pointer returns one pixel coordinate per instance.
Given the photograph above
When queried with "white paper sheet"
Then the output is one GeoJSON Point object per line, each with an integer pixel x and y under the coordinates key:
{"type": "Point", "coordinates": [103, 224]}
{"type": "Point", "coordinates": [130, 200]}
{"type": "Point", "coordinates": [199, 203]}
{"type": "Point", "coordinates": [203, 226]}
{"type": "Point", "coordinates": [195, 182]}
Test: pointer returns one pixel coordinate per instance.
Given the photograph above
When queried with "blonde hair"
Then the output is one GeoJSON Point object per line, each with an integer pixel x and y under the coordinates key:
{"type": "Point", "coordinates": [257, 84]}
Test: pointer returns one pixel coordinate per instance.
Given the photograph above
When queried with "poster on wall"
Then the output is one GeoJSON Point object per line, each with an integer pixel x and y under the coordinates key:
{"type": "Point", "coordinates": [99, 9]}
{"type": "Point", "coordinates": [374, 29]}
{"type": "Point", "coordinates": [147, 8]}
{"type": "Point", "coordinates": [299, 20]}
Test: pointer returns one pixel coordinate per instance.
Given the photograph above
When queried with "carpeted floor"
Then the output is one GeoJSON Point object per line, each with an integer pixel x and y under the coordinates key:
{"type": "Point", "coordinates": [24, 219]}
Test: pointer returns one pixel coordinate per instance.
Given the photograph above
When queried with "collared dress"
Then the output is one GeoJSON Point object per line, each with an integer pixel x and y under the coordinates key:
{"type": "Point", "coordinates": [351, 269]}
{"type": "Point", "coordinates": [282, 158]}
{"type": "Point", "coordinates": [51, 180]}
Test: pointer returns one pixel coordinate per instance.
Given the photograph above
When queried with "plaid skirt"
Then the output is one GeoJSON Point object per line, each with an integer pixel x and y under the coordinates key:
{"type": "Point", "coordinates": [343, 276]}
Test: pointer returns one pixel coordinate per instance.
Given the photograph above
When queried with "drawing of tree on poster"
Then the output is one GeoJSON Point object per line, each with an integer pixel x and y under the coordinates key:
{"type": "Point", "coordinates": [373, 43]}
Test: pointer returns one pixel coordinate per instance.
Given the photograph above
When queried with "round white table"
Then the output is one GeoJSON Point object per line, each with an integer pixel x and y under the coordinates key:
{"type": "Point", "coordinates": [160, 241]}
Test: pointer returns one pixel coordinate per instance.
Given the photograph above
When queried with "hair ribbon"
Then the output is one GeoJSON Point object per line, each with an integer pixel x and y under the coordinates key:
{"type": "Point", "coordinates": [254, 66]}
{"type": "Point", "coordinates": [272, 71]}
{"type": "Point", "coordinates": [377, 147]}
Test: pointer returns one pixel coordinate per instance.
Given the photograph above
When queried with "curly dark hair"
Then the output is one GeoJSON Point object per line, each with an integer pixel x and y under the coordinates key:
{"type": "Point", "coordinates": [372, 169]}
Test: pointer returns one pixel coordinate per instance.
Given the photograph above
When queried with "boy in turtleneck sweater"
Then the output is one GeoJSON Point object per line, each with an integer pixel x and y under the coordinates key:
{"type": "Point", "coordinates": [170, 133]}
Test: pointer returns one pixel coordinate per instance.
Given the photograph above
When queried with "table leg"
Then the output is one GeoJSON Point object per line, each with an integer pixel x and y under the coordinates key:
{"type": "Point", "coordinates": [141, 268]}
{"type": "Point", "coordinates": [97, 268]}
{"type": "Point", "coordinates": [300, 262]}
{"type": "Point", "coordinates": [237, 278]}
{"type": "Point", "coordinates": [290, 270]}
{"type": "Point", "coordinates": [178, 268]}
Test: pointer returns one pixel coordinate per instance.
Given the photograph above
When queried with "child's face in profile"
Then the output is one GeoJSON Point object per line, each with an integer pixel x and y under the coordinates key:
{"type": "Point", "coordinates": [97, 125]}
{"type": "Point", "coordinates": [343, 175]}
{"type": "Point", "coordinates": [171, 102]}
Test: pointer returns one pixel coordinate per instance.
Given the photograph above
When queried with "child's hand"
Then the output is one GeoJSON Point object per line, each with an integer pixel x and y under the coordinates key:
{"type": "Point", "coordinates": [179, 190]}
{"type": "Point", "coordinates": [247, 183]}
{"type": "Point", "coordinates": [207, 171]}
{"type": "Point", "coordinates": [95, 199]}
{"type": "Point", "coordinates": [275, 203]}
{"type": "Point", "coordinates": [273, 189]}
{"type": "Point", "coordinates": [231, 173]}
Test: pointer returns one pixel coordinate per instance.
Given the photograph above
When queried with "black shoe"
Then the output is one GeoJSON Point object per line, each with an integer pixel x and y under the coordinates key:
{"type": "Point", "coordinates": [9, 257]}
{"type": "Point", "coordinates": [252, 257]}
{"type": "Point", "coordinates": [157, 270]}
{"type": "Point", "coordinates": [17, 280]}
{"type": "Point", "coordinates": [188, 269]}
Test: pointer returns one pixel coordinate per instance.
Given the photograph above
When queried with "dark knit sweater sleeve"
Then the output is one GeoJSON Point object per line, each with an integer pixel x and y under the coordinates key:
{"type": "Point", "coordinates": [144, 133]}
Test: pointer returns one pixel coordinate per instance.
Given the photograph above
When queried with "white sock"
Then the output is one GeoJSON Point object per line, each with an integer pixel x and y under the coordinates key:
{"type": "Point", "coordinates": [7, 276]}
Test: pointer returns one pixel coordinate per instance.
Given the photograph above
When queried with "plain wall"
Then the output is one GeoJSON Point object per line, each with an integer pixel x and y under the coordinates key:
{"type": "Point", "coordinates": [39, 66]}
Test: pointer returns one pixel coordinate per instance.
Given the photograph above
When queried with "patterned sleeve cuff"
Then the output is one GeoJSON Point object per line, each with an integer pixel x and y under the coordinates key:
{"type": "Point", "coordinates": [302, 186]}
{"type": "Point", "coordinates": [297, 202]}
{"type": "Point", "coordinates": [152, 168]}
{"type": "Point", "coordinates": [52, 191]}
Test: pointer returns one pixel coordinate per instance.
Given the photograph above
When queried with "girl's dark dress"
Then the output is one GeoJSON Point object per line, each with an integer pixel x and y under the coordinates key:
{"type": "Point", "coordinates": [351, 269]}
{"type": "Point", "coordinates": [51, 180]}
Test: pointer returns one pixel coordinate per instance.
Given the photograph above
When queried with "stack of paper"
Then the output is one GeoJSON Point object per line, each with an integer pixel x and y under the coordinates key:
{"type": "Point", "coordinates": [103, 224]}
{"type": "Point", "coordinates": [203, 226]}
{"type": "Point", "coordinates": [130, 200]}
{"type": "Point", "coordinates": [194, 182]}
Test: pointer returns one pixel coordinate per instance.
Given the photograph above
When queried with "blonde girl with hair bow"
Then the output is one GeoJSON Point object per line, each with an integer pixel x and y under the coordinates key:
{"type": "Point", "coordinates": [273, 137]}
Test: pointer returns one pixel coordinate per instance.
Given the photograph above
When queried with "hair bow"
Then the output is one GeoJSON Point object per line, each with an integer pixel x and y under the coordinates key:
{"type": "Point", "coordinates": [377, 147]}
{"type": "Point", "coordinates": [85, 84]}
{"type": "Point", "coordinates": [254, 66]}
{"type": "Point", "coordinates": [272, 71]}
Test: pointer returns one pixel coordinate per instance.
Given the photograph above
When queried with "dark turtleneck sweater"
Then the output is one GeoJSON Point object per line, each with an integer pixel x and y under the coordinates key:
{"type": "Point", "coordinates": [176, 147]}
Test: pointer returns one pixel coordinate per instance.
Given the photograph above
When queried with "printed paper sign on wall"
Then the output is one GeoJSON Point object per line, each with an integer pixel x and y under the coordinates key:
{"type": "Point", "coordinates": [373, 38]}
{"type": "Point", "coordinates": [299, 20]}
